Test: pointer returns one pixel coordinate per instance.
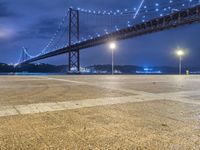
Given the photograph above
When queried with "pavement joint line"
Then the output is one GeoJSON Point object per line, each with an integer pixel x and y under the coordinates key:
{"type": "Point", "coordinates": [125, 90]}
{"type": "Point", "coordinates": [181, 93]}
{"type": "Point", "coordinates": [16, 110]}
{"type": "Point", "coordinates": [8, 111]}
{"type": "Point", "coordinates": [70, 105]}
{"type": "Point", "coordinates": [97, 85]}
{"type": "Point", "coordinates": [72, 81]}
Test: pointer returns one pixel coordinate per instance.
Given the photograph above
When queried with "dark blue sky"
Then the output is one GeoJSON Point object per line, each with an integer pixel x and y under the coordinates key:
{"type": "Point", "coordinates": [31, 23]}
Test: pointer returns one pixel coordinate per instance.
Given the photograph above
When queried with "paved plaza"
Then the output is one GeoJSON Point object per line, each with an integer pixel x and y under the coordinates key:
{"type": "Point", "coordinates": [100, 112]}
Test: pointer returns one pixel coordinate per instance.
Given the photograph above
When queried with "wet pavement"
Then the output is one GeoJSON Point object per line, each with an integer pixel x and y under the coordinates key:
{"type": "Point", "coordinates": [100, 112]}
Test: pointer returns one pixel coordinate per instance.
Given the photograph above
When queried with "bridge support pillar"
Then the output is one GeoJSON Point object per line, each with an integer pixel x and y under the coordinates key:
{"type": "Point", "coordinates": [74, 56]}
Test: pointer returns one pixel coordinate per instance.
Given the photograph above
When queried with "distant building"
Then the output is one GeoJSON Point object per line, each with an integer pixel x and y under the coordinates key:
{"type": "Point", "coordinates": [149, 71]}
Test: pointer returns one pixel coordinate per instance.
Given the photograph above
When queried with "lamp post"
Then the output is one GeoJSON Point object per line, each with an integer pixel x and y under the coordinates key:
{"type": "Point", "coordinates": [112, 47]}
{"type": "Point", "coordinates": [180, 54]}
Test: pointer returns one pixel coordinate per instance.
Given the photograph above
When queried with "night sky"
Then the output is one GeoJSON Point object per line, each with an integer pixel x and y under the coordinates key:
{"type": "Point", "coordinates": [31, 23]}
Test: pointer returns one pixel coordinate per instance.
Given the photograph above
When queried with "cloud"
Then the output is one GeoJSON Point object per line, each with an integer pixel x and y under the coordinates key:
{"type": "Point", "coordinates": [5, 33]}
{"type": "Point", "coordinates": [4, 11]}
{"type": "Point", "coordinates": [47, 25]}
{"type": "Point", "coordinates": [34, 22]}
{"type": "Point", "coordinates": [43, 28]}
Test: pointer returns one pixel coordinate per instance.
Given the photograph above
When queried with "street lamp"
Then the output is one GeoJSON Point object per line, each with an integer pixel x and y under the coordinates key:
{"type": "Point", "coordinates": [180, 53]}
{"type": "Point", "coordinates": [112, 47]}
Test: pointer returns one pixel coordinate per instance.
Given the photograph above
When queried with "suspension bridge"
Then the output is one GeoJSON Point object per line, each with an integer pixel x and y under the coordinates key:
{"type": "Point", "coordinates": [81, 28]}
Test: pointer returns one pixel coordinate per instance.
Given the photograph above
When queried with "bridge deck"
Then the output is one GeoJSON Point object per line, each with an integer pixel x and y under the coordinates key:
{"type": "Point", "coordinates": [176, 19]}
{"type": "Point", "coordinates": [100, 112]}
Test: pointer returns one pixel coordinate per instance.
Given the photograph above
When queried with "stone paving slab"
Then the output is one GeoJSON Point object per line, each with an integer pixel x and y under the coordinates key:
{"type": "Point", "coordinates": [142, 125]}
{"type": "Point", "coordinates": [100, 112]}
{"type": "Point", "coordinates": [153, 84]}
{"type": "Point", "coordinates": [43, 90]}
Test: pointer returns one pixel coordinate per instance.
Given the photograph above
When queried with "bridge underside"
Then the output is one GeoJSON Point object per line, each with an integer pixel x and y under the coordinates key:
{"type": "Point", "coordinates": [187, 16]}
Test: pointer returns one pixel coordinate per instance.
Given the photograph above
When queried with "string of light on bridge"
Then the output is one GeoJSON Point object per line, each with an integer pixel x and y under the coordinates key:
{"type": "Point", "coordinates": [110, 21]}
{"type": "Point", "coordinates": [145, 13]}
{"type": "Point", "coordinates": [156, 7]}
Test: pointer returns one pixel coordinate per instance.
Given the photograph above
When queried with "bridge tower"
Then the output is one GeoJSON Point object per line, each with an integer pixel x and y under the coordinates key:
{"type": "Point", "coordinates": [74, 56]}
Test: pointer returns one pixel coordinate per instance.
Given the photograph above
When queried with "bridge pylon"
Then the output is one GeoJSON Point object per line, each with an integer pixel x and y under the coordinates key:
{"type": "Point", "coordinates": [74, 33]}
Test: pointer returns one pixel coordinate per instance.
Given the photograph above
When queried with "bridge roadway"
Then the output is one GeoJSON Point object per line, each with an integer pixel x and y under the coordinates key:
{"type": "Point", "coordinates": [187, 16]}
{"type": "Point", "coordinates": [100, 112]}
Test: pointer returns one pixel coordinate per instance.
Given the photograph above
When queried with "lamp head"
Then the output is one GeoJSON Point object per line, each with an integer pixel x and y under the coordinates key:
{"type": "Point", "coordinates": [112, 45]}
{"type": "Point", "coordinates": [180, 52]}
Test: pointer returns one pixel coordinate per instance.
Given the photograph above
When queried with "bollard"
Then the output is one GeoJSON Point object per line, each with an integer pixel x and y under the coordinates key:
{"type": "Point", "coordinates": [187, 72]}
